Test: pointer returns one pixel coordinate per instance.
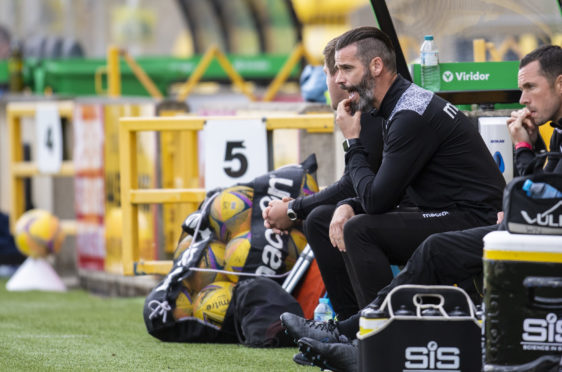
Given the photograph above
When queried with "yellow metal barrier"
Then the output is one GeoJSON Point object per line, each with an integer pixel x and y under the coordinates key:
{"type": "Point", "coordinates": [20, 169]}
{"type": "Point", "coordinates": [146, 82]}
{"type": "Point", "coordinates": [114, 74]}
{"type": "Point", "coordinates": [297, 53]}
{"type": "Point", "coordinates": [203, 65]}
{"type": "Point", "coordinates": [132, 196]}
{"type": "Point", "coordinates": [178, 170]}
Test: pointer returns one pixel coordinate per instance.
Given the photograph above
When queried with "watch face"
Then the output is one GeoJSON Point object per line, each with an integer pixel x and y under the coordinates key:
{"type": "Point", "coordinates": [348, 143]}
{"type": "Point", "coordinates": [291, 214]}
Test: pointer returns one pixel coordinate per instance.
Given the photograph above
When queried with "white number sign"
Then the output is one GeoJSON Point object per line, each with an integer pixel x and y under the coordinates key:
{"type": "Point", "coordinates": [235, 151]}
{"type": "Point", "coordinates": [49, 138]}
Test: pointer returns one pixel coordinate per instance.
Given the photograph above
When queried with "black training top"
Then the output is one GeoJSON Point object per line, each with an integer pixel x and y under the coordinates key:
{"type": "Point", "coordinates": [526, 161]}
{"type": "Point", "coordinates": [371, 137]}
{"type": "Point", "coordinates": [431, 150]}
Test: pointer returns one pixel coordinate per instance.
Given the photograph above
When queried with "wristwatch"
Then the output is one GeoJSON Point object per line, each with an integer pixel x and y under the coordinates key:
{"type": "Point", "coordinates": [347, 143]}
{"type": "Point", "coordinates": [290, 212]}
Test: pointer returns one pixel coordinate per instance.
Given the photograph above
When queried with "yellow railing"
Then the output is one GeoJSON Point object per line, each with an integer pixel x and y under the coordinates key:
{"type": "Point", "coordinates": [113, 72]}
{"type": "Point", "coordinates": [212, 53]}
{"type": "Point", "coordinates": [132, 196]}
{"type": "Point", "coordinates": [283, 74]}
{"type": "Point", "coordinates": [21, 169]}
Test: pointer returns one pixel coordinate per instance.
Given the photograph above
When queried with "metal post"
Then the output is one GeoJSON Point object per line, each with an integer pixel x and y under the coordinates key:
{"type": "Point", "coordinates": [113, 72]}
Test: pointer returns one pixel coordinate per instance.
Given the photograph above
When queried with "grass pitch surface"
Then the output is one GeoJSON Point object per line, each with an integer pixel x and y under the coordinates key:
{"type": "Point", "coordinates": [78, 331]}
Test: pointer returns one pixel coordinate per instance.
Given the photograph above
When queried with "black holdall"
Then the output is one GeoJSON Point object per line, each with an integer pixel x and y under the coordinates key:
{"type": "Point", "coordinates": [159, 304]}
{"type": "Point", "coordinates": [257, 304]}
{"type": "Point", "coordinates": [421, 328]}
{"type": "Point", "coordinates": [526, 215]}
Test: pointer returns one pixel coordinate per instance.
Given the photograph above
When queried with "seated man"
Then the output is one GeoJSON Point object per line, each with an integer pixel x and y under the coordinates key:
{"type": "Point", "coordinates": [455, 257]}
{"type": "Point", "coordinates": [432, 152]}
{"type": "Point", "coordinates": [316, 210]}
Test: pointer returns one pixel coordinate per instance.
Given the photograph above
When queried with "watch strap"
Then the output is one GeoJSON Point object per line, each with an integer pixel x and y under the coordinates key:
{"type": "Point", "coordinates": [348, 142]}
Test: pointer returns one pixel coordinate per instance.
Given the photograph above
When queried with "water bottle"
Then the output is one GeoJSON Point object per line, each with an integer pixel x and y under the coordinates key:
{"type": "Point", "coordinates": [430, 76]}
{"type": "Point", "coordinates": [539, 190]}
{"type": "Point", "coordinates": [323, 312]}
{"type": "Point", "coordinates": [372, 320]}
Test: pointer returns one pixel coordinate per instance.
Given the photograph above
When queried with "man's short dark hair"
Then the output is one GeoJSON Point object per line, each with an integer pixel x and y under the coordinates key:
{"type": "Point", "coordinates": [550, 60]}
{"type": "Point", "coordinates": [329, 53]}
{"type": "Point", "coordinates": [371, 42]}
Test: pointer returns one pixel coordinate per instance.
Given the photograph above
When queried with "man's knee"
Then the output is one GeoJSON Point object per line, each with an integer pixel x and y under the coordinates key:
{"type": "Point", "coordinates": [318, 221]}
{"type": "Point", "coordinates": [354, 226]}
{"type": "Point", "coordinates": [442, 253]}
{"type": "Point", "coordinates": [432, 246]}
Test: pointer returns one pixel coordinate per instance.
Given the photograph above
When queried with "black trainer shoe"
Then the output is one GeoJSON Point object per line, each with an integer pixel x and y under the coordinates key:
{"type": "Point", "coordinates": [337, 357]}
{"type": "Point", "coordinates": [298, 327]}
{"type": "Point", "coordinates": [299, 358]}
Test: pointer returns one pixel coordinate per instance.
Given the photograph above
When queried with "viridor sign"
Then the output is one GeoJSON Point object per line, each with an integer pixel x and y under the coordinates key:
{"type": "Point", "coordinates": [475, 75]}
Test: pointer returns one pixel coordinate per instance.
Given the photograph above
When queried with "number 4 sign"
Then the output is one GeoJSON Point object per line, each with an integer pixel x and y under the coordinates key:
{"type": "Point", "coordinates": [49, 138]}
{"type": "Point", "coordinates": [235, 151]}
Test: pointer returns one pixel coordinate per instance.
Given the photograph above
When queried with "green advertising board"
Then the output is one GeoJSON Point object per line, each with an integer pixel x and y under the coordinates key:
{"type": "Point", "coordinates": [463, 76]}
{"type": "Point", "coordinates": [476, 76]}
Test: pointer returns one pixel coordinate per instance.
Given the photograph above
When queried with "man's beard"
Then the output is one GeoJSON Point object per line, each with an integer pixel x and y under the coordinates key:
{"type": "Point", "coordinates": [366, 91]}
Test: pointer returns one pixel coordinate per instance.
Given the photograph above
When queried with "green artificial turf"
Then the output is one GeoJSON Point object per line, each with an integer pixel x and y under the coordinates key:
{"type": "Point", "coordinates": [78, 331]}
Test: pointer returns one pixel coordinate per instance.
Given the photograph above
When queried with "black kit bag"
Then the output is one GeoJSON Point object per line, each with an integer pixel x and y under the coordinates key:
{"type": "Point", "coordinates": [257, 304]}
{"type": "Point", "coordinates": [526, 215]}
{"type": "Point", "coordinates": [160, 304]}
{"type": "Point", "coordinates": [158, 311]}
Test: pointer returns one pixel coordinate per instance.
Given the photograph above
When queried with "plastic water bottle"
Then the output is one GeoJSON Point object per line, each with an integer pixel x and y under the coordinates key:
{"type": "Point", "coordinates": [372, 320]}
{"type": "Point", "coordinates": [323, 312]}
{"type": "Point", "coordinates": [430, 76]}
{"type": "Point", "coordinates": [539, 190]}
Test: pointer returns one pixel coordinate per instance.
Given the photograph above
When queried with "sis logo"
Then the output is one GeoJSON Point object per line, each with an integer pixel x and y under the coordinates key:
{"type": "Point", "coordinates": [432, 358]}
{"type": "Point", "coordinates": [542, 334]}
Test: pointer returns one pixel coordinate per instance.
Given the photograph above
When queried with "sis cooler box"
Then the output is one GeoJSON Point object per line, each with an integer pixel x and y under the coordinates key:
{"type": "Point", "coordinates": [522, 302]}
{"type": "Point", "coordinates": [421, 329]}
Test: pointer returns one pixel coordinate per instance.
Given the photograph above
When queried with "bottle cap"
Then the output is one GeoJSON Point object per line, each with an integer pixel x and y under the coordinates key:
{"type": "Point", "coordinates": [371, 313]}
{"type": "Point", "coordinates": [457, 311]}
{"type": "Point", "coordinates": [430, 312]}
{"type": "Point", "coordinates": [428, 37]}
{"type": "Point", "coordinates": [403, 310]}
{"type": "Point", "coordinates": [323, 300]}
{"type": "Point", "coordinates": [527, 185]}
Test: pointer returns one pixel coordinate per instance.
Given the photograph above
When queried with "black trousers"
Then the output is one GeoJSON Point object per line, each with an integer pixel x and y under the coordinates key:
{"type": "Point", "coordinates": [330, 261]}
{"type": "Point", "coordinates": [447, 258]}
{"type": "Point", "coordinates": [450, 258]}
{"type": "Point", "coordinates": [373, 243]}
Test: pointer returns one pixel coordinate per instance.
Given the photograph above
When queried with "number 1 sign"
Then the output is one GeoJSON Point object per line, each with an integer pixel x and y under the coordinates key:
{"type": "Point", "coordinates": [235, 151]}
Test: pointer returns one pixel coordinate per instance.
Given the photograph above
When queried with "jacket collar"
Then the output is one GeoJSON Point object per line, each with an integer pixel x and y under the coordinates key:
{"type": "Point", "coordinates": [392, 96]}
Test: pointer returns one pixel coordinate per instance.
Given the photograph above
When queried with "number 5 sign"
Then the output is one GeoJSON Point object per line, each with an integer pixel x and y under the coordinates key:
{"type": "Point", "coordinates": [235, 151]}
